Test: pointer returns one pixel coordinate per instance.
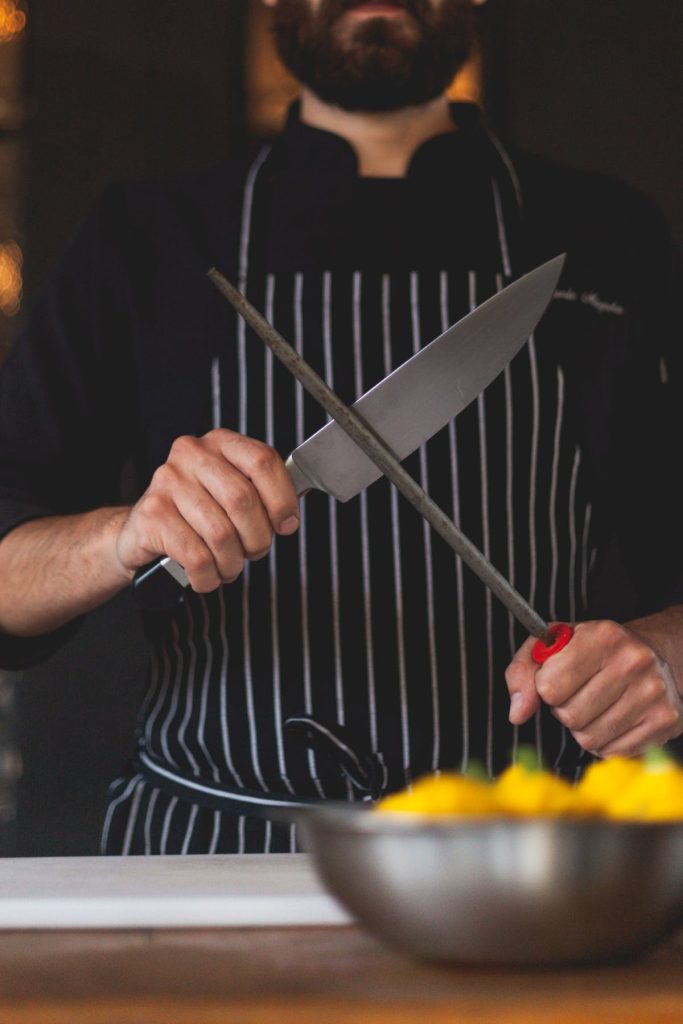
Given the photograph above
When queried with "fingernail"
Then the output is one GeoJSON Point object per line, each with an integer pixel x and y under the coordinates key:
{"type": "Point", "coordinates": [289, 525]}
{"type": "Point", "coordinates": [516, 702]}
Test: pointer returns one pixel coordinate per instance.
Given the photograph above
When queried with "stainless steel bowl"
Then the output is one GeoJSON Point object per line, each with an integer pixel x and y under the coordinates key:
{"type": "Point", "coordinates": [496, 891]}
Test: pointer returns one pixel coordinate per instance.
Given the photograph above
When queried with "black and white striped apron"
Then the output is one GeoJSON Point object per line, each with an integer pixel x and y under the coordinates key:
{"type": "Point", "coordinates": [363, 629]}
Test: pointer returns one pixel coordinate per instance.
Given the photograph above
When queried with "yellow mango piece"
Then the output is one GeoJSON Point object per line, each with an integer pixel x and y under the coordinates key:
{"type": "Point", "coordinates": [655, 794]}
{"type": "Point", "coordinates": [602, 781]}
{"type": "Point", "coordinates": [522, 792]}
{"type": "Point", "coordinates": [447, 793]}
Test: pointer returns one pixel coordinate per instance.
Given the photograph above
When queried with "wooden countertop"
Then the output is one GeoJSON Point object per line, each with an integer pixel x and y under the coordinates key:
{"type": "Point", "coordinates": [331, 975]}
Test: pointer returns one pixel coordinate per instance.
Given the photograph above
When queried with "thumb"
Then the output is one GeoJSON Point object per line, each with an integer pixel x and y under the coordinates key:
{"type": "Point", "coordinates": [520, 677]}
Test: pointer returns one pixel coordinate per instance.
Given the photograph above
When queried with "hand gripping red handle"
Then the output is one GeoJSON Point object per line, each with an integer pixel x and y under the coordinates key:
{"type": "Point", "coordinates": [561, 634]}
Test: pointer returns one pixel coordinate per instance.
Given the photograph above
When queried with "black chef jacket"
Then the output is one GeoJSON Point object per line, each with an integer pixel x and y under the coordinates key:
{"type": "Point", "coordinates": [565, 458]}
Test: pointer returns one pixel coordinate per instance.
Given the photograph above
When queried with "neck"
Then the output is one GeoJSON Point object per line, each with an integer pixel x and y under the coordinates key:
{"type": "Point", "coordinates": [385, 142]}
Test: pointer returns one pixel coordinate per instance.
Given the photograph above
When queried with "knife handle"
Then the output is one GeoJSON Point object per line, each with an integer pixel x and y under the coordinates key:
{"type": "Point", "coordinates": [159, 585]}
{"type": "Point", "coordinates": [561, 634]}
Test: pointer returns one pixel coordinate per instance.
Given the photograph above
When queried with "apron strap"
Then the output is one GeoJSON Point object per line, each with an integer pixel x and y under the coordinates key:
{"type": "Point", "coordinates": [195, 790]}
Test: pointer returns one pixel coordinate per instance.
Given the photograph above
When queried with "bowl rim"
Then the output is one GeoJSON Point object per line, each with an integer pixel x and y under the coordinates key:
{"type": "Point", "coordinates": [359, 818]}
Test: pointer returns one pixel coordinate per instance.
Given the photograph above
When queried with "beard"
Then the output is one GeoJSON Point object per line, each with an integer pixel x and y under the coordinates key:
{"type": "Point", "coordinates": [374, 64]}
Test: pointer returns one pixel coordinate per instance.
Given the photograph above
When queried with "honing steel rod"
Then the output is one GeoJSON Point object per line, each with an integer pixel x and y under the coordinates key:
{"type": "Point", "coordinates": [375, 448]}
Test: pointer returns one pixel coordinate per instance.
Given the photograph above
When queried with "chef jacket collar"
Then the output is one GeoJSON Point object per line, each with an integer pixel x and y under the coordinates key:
{"type": "Point", "coordinates": [327, 157]}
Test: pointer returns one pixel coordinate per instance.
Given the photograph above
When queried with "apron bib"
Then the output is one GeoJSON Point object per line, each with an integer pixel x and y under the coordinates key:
{"type": "Point", "coordinates": [360, 653]}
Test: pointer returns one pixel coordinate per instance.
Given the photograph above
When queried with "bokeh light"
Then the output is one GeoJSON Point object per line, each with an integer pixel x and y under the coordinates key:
{"type": "Point", "coordinates": [12, 21]}
{"type": "Point", "coordinates": [11, 278]}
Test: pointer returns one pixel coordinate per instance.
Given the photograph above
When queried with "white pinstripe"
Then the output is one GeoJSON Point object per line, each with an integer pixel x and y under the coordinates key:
{"type": "Point", "coordinates": [245, 234]}
{"type": "Point", "coordinates": [189, 693]}
{"type": "Point", "coordinates": [572, 535]}
{"type": "Point", "coordinates": [173, 802]}
{"type": "Point", "coordinates": [302, 534]}
{"type": "Point", "coordinates": [225, 729]}
{"type": "Point", "coordinates": [584, 556]}
{"type": "Point", "coordinates": [510, 513]}
{"type": "Point", "coordinates": [216, 834]}
{"type": "Point", "coordinates": [364, 529]}
{"type": "Point", "coordinates": [396, 546]}
{"type": "Point", "coordinates": [552, 504]}
{"type": "Point", "coordinates": [154, 796]}
{"type": "Point", "coordinates": [485, 526]}
{"type": "Point", "coordinates": [208, 669]}
{"type": "Point", "coordinates": [510, 167]}
{"type": "Point", "coordinates": [216, 403]}
{"type": "Point", "coordinates": [460, 585]}
{"type": "Point", "coordinates": [194, 810]}
{"type": "Point", "coordinates": [132, 818]}
{"type": "Point", "coordinates": [153, 686]}
{"type": "Point", "coordinates": [132, 783]}
{"type": "Point", "coordinates": [502, 234]}
{"type": "Point", "coordinates": [176, 693]}
{"type": "Point", "coordinates": [427, 541]}
{"type": "Point", "coordinates": [272, 557]}
{"type": "Point", "coordinates": [332, 505]}
{"type": "Point", "coordinates": [161, 700]}
{"type": "Point", "coordinates": [532, 507]}
{"type": "Point", "coordinates": [533, 472]}
{"type": "Point", "coordinates": [247, 207]}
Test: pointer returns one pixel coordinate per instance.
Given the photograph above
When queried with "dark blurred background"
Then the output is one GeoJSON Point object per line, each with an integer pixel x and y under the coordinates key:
{"type": "Point", "coordinates": [95, 92]}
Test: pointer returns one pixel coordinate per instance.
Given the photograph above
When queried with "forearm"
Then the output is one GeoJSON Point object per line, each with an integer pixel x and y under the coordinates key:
{"type": "Point", "coordinates": [57, 568]}
{"type": "Point", "coordinates": [663, 631]}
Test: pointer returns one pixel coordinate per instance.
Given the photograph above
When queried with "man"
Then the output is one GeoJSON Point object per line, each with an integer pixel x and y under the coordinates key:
{"type": "Point", "coordinates": [354, 653]}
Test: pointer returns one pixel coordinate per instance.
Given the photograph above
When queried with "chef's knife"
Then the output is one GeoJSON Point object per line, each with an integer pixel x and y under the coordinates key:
{"type": "Point", "coordinates": [403, 411]}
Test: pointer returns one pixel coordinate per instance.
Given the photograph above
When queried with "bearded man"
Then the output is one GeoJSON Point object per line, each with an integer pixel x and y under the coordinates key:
{"type": "Point", "coordinates": [355, 653]}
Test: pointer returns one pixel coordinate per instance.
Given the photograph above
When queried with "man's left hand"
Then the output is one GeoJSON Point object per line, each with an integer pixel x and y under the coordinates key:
{"type": "Point", "coordinates": [617, 688]}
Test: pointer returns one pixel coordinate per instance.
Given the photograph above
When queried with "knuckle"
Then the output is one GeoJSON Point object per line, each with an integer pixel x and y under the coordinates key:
{"type": "Point", "coordinates": [569, 718]}
{"type": "Point", "coordinates": [548, 690]}
{"type": "Point", "coordinates": [163, 478]}
{"type": "Point", "coordinates": [197, 562]}
{"type": "Point", "coordinates": [184, 446]}
{"type": "Point", "coordinates": [639, 658]}
{"type": "Point", "coordinates": [234, 570]}
{"type": "Point", "coordinates": [240, 499]}
{"type": "Point", "coordinates": [515, 673]}
{"type": "Point", "coordinates": [669, 718]}
{"type": "Point", "coordinates": [652, 688]}
{"type": "Point", "coordinates": [263, 459]}
{"type": "Point", "coordinates": [217, 435]}
{"type": "Point", "coordinates": [219, 533]}
{"type": "Point", "coordinates": [153, 506]}
{"type": "Point", "coordinates": [586, 739]}
{"type": "Point", "coordinates": [254, 554]}
{"type": "Point", "coordinates": [609, 633]}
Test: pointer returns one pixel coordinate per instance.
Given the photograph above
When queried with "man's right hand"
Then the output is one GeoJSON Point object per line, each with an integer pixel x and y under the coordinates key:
{"type": "Point", "coordinates": [216, 501]}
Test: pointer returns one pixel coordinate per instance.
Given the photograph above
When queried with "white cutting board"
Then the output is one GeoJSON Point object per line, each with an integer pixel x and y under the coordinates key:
{"type": "Point", "coordinates": [258, 890]}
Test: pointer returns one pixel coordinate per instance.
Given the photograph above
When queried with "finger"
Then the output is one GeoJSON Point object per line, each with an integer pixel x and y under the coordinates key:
{"type": "Point", "coordinates": [591, 701]}
{"type": "Point", "coordinates": [156, 527]}
{"type": "Point", "coordinates": [635, 741]}
{"type": "Point", "coordinates": [182, 543]}
{"type": "Point", "coordinates": [219, 533]}
{"type": "Point", "coordinates": [637, 707]}
{"type": "Point", "coordinates": [217, 499]}
{"type": "Point", "coordinates": [262, 465]}
{"type": "Point", "coordinates": [592, 647]}
{"type": "Point", "coordinates": [520, 677]}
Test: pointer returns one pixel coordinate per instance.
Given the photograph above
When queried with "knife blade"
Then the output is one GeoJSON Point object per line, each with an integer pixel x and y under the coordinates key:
{"type": "Point", "coordinates": [403, 411]}
{"type": "Point", "coordinates": [426, 392]}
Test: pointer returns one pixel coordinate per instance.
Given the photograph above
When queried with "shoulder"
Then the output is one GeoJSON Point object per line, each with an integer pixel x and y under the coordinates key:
{"type": "Point", "coordinates": [197, 211]}
{"type": "Point", "coordinates": [601, 219]}
{"type": "Point", "coordinates": [612, 232]}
